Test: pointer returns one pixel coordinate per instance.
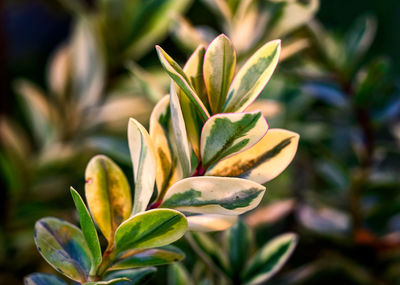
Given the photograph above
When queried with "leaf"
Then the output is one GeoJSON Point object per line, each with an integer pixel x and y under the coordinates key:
{"type": "Point", "coordinates": [64, 247]}
{"type": "Point", "coordinates": [144, 164]}
{"type": "Point", "coordinates": [181, 139]}
{"type": "Point", "coordinates": [262, 162]}
{"type": "Point", "coordinates": [136, 276]}
{"type": "Point", "coordinates": [194, 71]}
{"type": "Point", "coordinates": [178, 275]}
{"type": "Point", "coordinates": [214, 195]}
{"type": "Point", "coordinates": [210, 222]}
{"type": "Point", "coordinates": [59, 71]}
{"type": "Point", "coordinates": [212, 250]}
{"type": "Point", "coordinates": [223, 135]}
{"type": "Point", "coordinates": [270, 259]}
{"type": "Point", "coordinates": [180, 78]}
{"type": "Point", "coordinates": [148, 257]}
{"type": "Point", "coordinates": [153, 228]}
{"type": "Point", "coordinates": [167, 168]}
{"type": "Point", "coordinates": [43, 279]}
{"type": "Point", "coordinates": [110, 282]}
{"type": "Point", "coordinates": [89, 231]}
{"type": "Point", "coordinates": [108, 194]}
{"type": "Point", "coordinates": [239, 241]}
{"type": "Point", "coordinates": [219, 68]}
{"type": "Point", "coordinates": [252, 77]}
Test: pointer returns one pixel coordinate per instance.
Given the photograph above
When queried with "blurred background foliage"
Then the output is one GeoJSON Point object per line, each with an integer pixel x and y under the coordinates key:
{"type": "Point", "coordinates": [72, 72]}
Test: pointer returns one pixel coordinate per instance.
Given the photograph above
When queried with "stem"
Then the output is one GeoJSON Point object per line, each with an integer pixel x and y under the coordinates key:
{"type": "Point", "coordinates": [108, 258]}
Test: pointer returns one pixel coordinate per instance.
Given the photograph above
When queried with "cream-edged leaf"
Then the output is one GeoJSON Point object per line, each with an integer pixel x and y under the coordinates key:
{"type": "Point", "coordinates": [211, 222]}
{"type": "Point", "coordinates": [223, 135]}
{"type": "Point", "coordinates": [179, 77]}
{"type": "Point", "coordinates": [144, 164]}
{"type": "Point", "coordinates": [218, 69]}
{"type": "Point", "coordinates": [262, 162]}
{"type": "Point", "coordinates": [252, 77]}
{"type": "Point", "coordinates": [214, 195]}
{"type": "Point", "coordinates": [108, 194]}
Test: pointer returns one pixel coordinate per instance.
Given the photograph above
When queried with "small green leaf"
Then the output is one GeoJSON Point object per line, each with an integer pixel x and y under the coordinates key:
{"type": "Point", "coordinates": [219, 68]}
{"type": "Point", "coordinates": [270, 259]}
{"type": "Point", "coordinates": [238, 239]}
{"type": "Point", "coordinates": [89, 230]}
{"type": "Point", "coordinates": [224, 135]}
{"type": "Point", "coordinates": [252, 77]}
{"type": "Point", "coordinates": [179, 128]}
{"type": "Point", "coordinates": [148, 257]}
{"type": "Point", "coordinates": [263, 161]}
{"type": "Point", "coordinates": [108, 194]}
{"type": "Point", "coordinates": [144, 164]}
{"type": "Point", "coordinates": [214, 195]}
{"type": "Point", "coordinates": [180, 78]}
{"type": "Point", "coordinates": [178, 275]}
{"type": "Point", "coordinates": [153, 228]}
{"type": "Point", "coordinates": [64, 247]}
{"type": "Point", "coordinates": [135, 276]}
{"type": "Point", "coordinates": [43, 279]}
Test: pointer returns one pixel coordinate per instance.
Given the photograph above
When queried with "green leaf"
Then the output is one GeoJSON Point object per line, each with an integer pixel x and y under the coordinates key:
{"type": "Point", "coordinates": [238, 239]}
{"type": "Point", "coordinates": [153, 228]}
{"type": "Point", "coordinates": [64, 247]}
{"type": "Point", "coordinates": [210, 222]}
{"type": "Point", "coordinates": [43, 279]}
{"type": "Point", "coordinates": [252, 77]}
{"type": "Point", "coordinates": [180, 78]}
{"type": "Point", "coordinates": [108, 194]}
{"type": "Point", "coordinates": [270, 259]}
{"type": "Point", "coordinates": [89, 230]}
{"type": "Point", "coordinates": [262, 162]}
{"type": "Point", "coordinates": [144, 164]}
{"type": "Point", "coordinates": [178, 275]}
{"type": "Point", "coordinates": [110, 282]}
{"type": "Point", "coordinates": [161, 133]}
{"type": "Point", "coordinates": [212, 250]}
{"type": "Point", "coordinates": [226, 134]}
{"type": "Point", "coordinates": [214, 195]}
{"type": "Point", "coordinates": [148, 257]}
{"type": "Point", "coordinates": [136, 276]}
{"type": "Point", "coordinates": [179, 128]}
{"type": "Point", "coordinates": [219, 68]}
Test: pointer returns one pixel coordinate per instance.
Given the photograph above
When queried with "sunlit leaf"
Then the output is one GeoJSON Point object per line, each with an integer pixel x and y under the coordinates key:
{"type": "Point", "coordinates": [214, 195]}
{"type": "Point", "coordinates": [144, 164]}
{"type": "Point", "coordinates": [252, 77]}
{"type": "Point", "coordinates": [210, 222]}
{"type": "Point", "coordinates": [64, 247]}
{"type": "Point", "coordinates": [153, 228]}
{"type": "Point", "coordinates": [219, 68]}
{"type": "Point", "coordinates": [270, 259]}
{"type": "Point", "coordinates": [148, 257]}
{"type": "Point", "coordinates": [89, 230]}
{"type": "Point", "coordinates": [107, 194]}
{"type": "Point", "coordinates": [224, 135]}
{"type": "Point", "coordinates": [262, 162]}
{"type": "Point", "coordinates": [43, 279]}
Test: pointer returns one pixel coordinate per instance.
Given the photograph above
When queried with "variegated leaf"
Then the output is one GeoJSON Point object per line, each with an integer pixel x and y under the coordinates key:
{"type": "Point", "coordinates": [219, 68]}
{"type": "Point", "coordinates": [64, 247]}
{"type": "Point", "coordinates": [88, 230]}
{"type": "Point", "coordinates": [214, 195]}
{"type": "Point", "coordinates": [270, 259]}
{"type": "Point", "coordinates": [148, 257]}
{"type": "Point", "coordinates": [180, 78]}
{"type": "Point", "coordinates": [108, 194]}
{"type": "Point", "coordinates": [223, 135]}
{"type": "Point", "coordinates": [252, 77]}
{"type": "Point", "coordinates": [120, 280]}
{"type": "Point", "coordinates": [144, 164]}
{"type": "Point", "coordinates": [210, 222]}
{"type": "Point", "coordinates": [179, 128]}
{"type": "Point", "coordinates": [262, 162]}
{"type": "Point", "coordinates": [43, 279]}
{"type": "Point", "coordinates": [167, 168]}
{"type": "Point", "coordinates": [153, 228]}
